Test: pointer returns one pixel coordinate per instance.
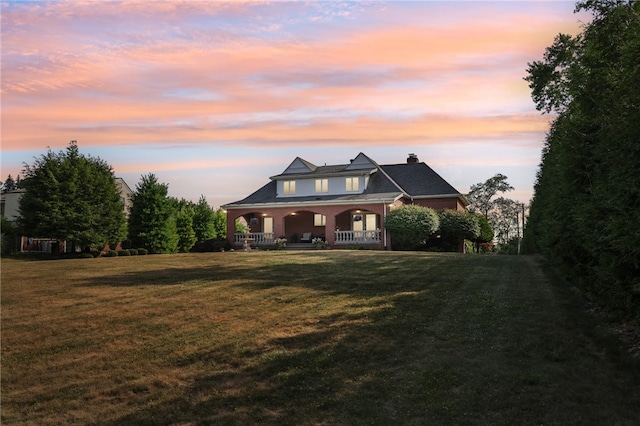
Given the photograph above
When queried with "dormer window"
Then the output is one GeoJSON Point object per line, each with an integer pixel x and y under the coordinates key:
{"type": "Point", "coordinates": [289, 186]}
{"type": "Point", "coordinates": [322, 185]}
{"type": "Point", "coordinates": [352, 184]}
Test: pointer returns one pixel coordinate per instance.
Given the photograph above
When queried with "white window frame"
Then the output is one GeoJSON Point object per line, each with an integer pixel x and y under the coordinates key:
{"type": "Point", "coordinates": [289, 187]}
{"type": "Point", "coordinates": [267, 225]}
{"type": "Point", "coordinates": [322, 185]}
{"type": "Point", "coordinates": [352, 184]}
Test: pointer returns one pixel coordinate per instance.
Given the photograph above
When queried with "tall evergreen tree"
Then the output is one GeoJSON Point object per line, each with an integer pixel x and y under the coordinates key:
{"type": "Point", "coordinates": [184, 229]}
{"type": "Point", "coordinates": [152, 222]}
{"type": "Point", "coordinates": [71, 197]}
{"type": "Point", "coordinates": [585, 213]}
{"type": "Point", "coordinates": [220, 224]}
{"type": "Point", "coordinates": [203, 216]}
{"type": "Point", "coordinates": [9, 184]}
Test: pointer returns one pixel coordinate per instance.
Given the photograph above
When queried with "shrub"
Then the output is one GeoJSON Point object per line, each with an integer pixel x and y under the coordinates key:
{"type": "Point", "coordinates": [8, 238]}
{"type": "Point", "coordinates": [142, 251]}
{"type": "Point", "coordinates": [457, 226]}
{"type": "Point", "coordinates": [85, 255]}
{"type": "Point", "coordinates": [133, 252]}
{"type": "Point", "coordinates": [111, 253]}
{"type": "Point", "coordinates": [280, 243]}
{"type": "Point", "coordinates": [215, 244]}
{"type": "Point", "coordinates": [124, 253]}
{"type": "Point", "coordinates": [411, 225]}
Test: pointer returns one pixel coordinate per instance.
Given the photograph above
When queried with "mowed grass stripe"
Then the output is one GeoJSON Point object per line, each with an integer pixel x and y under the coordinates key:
{"type": "Point", "coordinates": [323, 337]}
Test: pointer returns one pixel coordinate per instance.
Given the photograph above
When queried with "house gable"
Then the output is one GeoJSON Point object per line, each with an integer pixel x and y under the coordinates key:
{"type": "Point", "coordinates": [362, 162]}
{"type": "Point", "coordinates": [299, 166]}
{"type": "Point", "coordinates": [302, 178]}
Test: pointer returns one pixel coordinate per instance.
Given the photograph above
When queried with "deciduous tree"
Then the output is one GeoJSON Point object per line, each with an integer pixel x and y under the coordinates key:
{"type": "Point", "coordinates": [481, 194]}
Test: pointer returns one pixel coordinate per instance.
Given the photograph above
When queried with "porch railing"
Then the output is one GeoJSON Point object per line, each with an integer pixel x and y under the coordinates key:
{"type": "Point", "coordinates": [342, 237]}
{"type": "Point", "coordinates": [254, 238]}
{"type": "Point", "coordinates": [358, 237]}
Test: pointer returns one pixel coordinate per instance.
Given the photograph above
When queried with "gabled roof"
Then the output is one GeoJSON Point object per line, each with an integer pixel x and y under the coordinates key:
{"type": "Point", "coordinates": [298, 166]}
{"type": "Point", "coordinates": [419, 180]}
{"type": "Point", "coordinates": [386, 182]}
{"type": "Point", "coordinates": [361, 162]}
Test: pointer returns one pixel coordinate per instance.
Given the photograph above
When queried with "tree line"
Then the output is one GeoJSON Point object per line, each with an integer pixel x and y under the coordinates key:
{"type": "Point", "coordinates": [585, 214]}
{"type": "Point", "coordinates": [74, 198]}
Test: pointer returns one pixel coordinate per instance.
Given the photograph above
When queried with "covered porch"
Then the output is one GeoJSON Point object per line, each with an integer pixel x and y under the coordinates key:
{"type": "Point", "coordinates": [336, 226]}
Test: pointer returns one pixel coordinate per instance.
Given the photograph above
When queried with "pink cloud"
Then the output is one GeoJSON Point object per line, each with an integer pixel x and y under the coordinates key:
{"type": "Point", "coordinates": [283, 74]}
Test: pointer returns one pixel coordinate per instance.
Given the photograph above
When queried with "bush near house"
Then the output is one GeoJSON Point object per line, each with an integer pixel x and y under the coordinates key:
{"type": "Point", "coordinates": [411, 226]}
{"type": "Point", "coordinates": [456, 226]}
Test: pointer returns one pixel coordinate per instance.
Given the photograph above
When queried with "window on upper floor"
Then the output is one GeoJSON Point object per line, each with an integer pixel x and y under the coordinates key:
{"type": "Point", "coordinates": [322, 185]}
{"type": "Point", "coordinates": [352, 184]}
{"type": "Point", "coordinates": [289, 186]}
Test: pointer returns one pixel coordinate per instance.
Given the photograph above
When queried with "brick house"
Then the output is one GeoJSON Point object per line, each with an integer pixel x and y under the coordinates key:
{"type": "Point", "coordinates": [344, 204]}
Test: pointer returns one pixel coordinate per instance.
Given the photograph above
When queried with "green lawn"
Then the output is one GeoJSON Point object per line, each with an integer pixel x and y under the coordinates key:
{"type": "Point", "coordinates": [305, 338]}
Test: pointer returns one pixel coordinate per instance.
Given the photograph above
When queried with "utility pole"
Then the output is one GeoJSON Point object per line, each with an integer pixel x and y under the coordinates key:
{"type": "Point", "coordinates": [518, 227]}
{"type": "Point", "coordinates": [520, 238]}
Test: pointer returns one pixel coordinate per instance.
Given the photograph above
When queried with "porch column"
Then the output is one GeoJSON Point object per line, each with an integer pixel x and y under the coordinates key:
{"type": "Point", "coordinates": [330, 229]}
{"type": "Point", "coordinates": [278, 224]}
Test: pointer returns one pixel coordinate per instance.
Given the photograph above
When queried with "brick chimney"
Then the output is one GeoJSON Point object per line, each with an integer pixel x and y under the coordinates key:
{"type": "Point", "coordinates": [412, 158]}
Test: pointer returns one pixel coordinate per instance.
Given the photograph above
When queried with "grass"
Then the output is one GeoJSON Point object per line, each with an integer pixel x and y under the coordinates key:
{"type": "Point", "coordinates": [305, 338]}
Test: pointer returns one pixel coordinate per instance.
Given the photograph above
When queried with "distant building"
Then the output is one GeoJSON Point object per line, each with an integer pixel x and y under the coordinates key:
{"type": "Point", "coordinates": [9, 204]}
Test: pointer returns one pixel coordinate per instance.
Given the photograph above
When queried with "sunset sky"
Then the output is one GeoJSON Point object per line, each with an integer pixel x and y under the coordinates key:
{"type": "Point", "coordinates": [215, 97]}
